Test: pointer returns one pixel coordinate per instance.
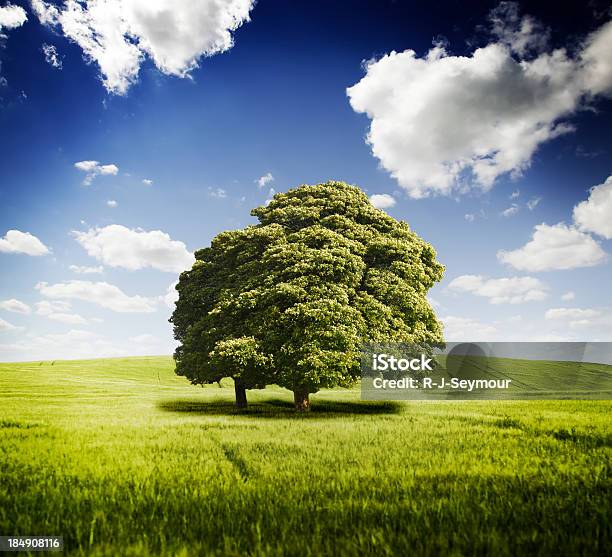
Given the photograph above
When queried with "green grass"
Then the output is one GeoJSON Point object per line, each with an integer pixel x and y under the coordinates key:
{"type": "Point", "coordinates": [121, 457]}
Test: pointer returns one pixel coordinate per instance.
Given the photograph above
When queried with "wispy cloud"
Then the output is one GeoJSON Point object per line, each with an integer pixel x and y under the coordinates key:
{"type": "Point", "coordinates": [51, 56]}
{"type": "Point", "coordinates": [264, 180]}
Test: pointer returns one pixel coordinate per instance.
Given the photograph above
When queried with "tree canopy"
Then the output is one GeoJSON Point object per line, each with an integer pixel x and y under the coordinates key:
{"type": "Point", "coordinates": [291, 300]}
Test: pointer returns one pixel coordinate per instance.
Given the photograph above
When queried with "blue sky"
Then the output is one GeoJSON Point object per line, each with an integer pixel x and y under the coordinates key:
{"type": "Point", "coordinates": [421, 129]}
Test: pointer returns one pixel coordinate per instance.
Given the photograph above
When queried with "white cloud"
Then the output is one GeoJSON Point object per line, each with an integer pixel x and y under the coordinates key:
{"type": "Point", "coordinates": [59, 311]}
{"type": "Point", "coordinates": [598, 320]}
{"type": "Point", "coordinates": [6, 326]}
{"type": "Point", "coordinates": [510, 211]}
{"type": "Point", "coordinates": [102, 294]}
{"type": "Point", "coordinates": [94, 168]}
{"type": "Point", "coordinates": [560, 246]}
{"type": "Point", "coordinates": [555, 247]}
{"type": "Point", "coordinates": [15, 306]}
{"type": "Point", "coordinates": [118, 246]}
{"type": "Point", "coordinates": [16, 241]}
{"type": "Point", "coordinates": [171, 296]}
{"type": "Point", "coordinates": [382, 200]}
{"type": "Point", "coordinates": [568, 296]}
{"type": "Point", "coordinates": [47, 308]}
{"type": "Point", "coordinates": [595, 214]}
{"type": "Point", "coordinates": [11, 17]}
{"type": "Point", "coordinates": [84, 270]}
{"type": "Point", "coordinates": [469, 217]}
{"type": "Point", "coordinates": [443, 123]}
{"type": "Point", "coordinates": [218, 193]}
{"type": "Point", "coordinates": [458, 329]}
{"type": "Point", "coordinates": [67, 318]}
{"type": "Point", "coordinates": [512, 290]}
{"type": "Point", "coordinates": [514, 194]}
{"type": "Point", "coordinates": [264, 180]}
{"type": "Point", "coordinates": [111, 203]}
{"type": "Point", "coordinates": [520, 34]}
{"type": "Point", "coordinates": [51, 56]}
{"type": "Point", "coordinates": [571, 313]}
{"type": "Point", "coordinates": [533, 203]}
{"type": "Point", "coordinates": [118, 34]}
{"type": "Point", "coordinates": [86, 166]}
{"type": "Point", "coordinates": [147, 182]}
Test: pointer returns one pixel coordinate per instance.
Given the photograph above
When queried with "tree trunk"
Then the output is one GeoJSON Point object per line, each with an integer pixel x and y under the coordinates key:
{"type": "Point", "coordinates": [301, 400]}
{"type": "Point", "coordinates": [240, 390]}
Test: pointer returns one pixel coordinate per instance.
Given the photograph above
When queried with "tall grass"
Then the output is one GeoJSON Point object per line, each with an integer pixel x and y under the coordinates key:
{"type": "Point", "coordinates": [121, 457]}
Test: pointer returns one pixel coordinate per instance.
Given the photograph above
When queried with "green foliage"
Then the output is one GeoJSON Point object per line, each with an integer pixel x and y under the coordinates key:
{"type": "Point", "coordinates": [297, 295]}
{"type": "Point", "coordinates": [123, 457]}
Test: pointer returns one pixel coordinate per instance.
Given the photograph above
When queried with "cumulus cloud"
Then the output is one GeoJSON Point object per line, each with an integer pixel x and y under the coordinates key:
{"type": "Point", "coordinates": [568, 296]}
{"type": "Point", "coordinates": [442, 123]}
{"type": "Point", "coordinates": [85, 270]}
{"type": "Point", "coordinates": [511, 290]}
{"type": "Point", "coordinates": [561, 246]}
{"type": "Point", "coordinates": [59, 311]}
{"type": "Point", "coordinates": [117, 35]}
{"type": "Point", "coordinates": [102, 294]}
{"type": "Point", "coordinates": [94, 168]}
{"type": "Point", "coordinates": [147, 182]}
{"type": "Point", "coordinates": [15, 241]}
{"type": "Point", "coordinates": [6, 326]}
{"type": "Point", "coordinates": [16, 306]}
{"type": "Point", "coordinates": [469, 217]}
{"type": "Point", "coordinates": [118, 246]}
{"type": "Point", "coordinates": [11, 17]}
{"type": "Point", "coordinates": [112, 203]}
{"type": "Point", "coordinates": [264, 180]}
{"type": "Point", "coordinates": [556, 247]}
{"type": "Point", "coordinates": [595, 214]}
{"type": "Point", "coordinates": [382, 200]}
{"type": "Point", "coordinates": [51, 56]}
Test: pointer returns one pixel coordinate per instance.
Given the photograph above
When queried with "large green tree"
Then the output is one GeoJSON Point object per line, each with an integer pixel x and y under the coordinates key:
{"type": "Point", "coordinates": [292, 299]}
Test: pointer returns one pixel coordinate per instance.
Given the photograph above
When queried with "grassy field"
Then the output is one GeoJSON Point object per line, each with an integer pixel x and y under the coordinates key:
{"type": "Point", "coordinates": [121, 457]}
